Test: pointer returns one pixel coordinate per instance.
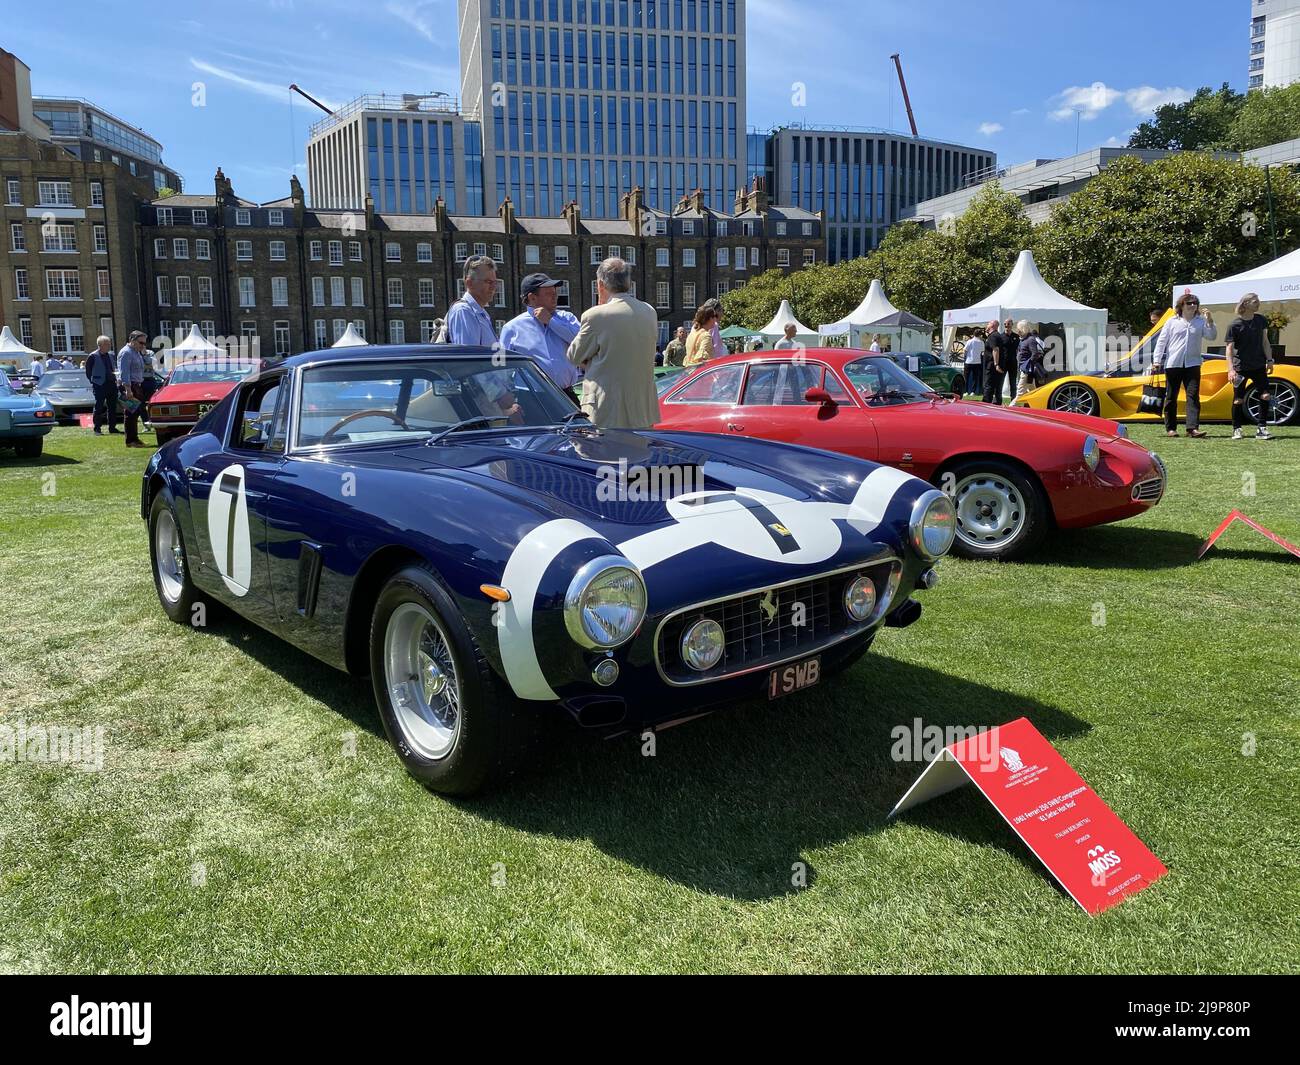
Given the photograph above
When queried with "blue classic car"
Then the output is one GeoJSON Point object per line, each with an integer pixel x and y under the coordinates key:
{"type": "Point", "coordinates": [24, 419]}
{"type": "Point", "coordinates": [445, 520]}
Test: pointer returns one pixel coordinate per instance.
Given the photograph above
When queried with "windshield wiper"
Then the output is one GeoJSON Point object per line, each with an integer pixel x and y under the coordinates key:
{"type": "Point", "coordinates": [900, 393]}
{"type": "Point", "coordinates": [480, 419]}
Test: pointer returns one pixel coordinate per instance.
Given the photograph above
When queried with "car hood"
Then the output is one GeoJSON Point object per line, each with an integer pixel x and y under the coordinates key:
{"type": "Point", "coordinates": [623, 477]}
{"type": "Point", "coordinates": [194, 392]}
{"type": "Point", "coordinates": [976, 416]}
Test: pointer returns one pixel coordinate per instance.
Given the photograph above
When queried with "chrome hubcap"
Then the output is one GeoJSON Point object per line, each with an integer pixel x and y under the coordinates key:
{"type": "Point", "coordinates": [1073, 398]}
{"type": "Point", "coordinates": [420, 675]}
{"type": "Point", "coordinates": [990, 511]}
{"type": "Point", "coordinates": [1282, 406]}
{"type": "Point", "coordinates": [171, 559]}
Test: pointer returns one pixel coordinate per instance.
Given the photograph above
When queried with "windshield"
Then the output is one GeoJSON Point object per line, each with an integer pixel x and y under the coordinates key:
{"type": "Point", "coordinates": [191, 372]}
{"type": "Point", "coordinates": [63, 381]}
{"type": "Point", "coordinates": [879, 380]}
{"type": "Point", "coordinates": [357, 403]}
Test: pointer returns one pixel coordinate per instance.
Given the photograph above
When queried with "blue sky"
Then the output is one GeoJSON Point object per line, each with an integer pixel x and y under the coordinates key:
{"type": "Point", "coordinates": [1008, 77]}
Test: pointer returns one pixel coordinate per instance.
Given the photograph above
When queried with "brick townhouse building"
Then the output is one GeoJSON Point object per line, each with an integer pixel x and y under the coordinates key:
{"type": "Point", "coordinates": [71, 268]}
{"type": "Point", "coordinates": [295, 276]}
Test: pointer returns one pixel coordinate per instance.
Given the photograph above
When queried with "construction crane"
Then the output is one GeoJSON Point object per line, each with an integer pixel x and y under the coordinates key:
{"type": "Point", "coordinates": [898, 63]}
{"type": "Point", "coordinates": [311, 99]}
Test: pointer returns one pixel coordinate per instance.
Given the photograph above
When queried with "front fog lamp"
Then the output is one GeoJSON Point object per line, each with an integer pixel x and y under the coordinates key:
{"type": "Point", "coordinates": [1091, 452]}
{"type": "Point", "coordinates": [860, 598]}
{"type": "Point", "coordinates": [702, 644]}
{"type": "Point", "coordinates": [605, 603]}
{"type": "Point", "coordinates": [933, 525]}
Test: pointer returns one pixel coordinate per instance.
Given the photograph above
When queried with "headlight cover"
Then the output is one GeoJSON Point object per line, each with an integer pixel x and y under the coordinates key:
{"type": "Point", "coordinates": [860, 598]}
{"type": "Point", "coordinates": [933, 525]}
{"type": "Point", "coordinates": [703, 644]}
{"type": "Point", "coordinates": [1121, 431]}
{"type": "Point", "coordinates": [605, 603]}
{"type": "Point", "coordinates": [1091, 452]}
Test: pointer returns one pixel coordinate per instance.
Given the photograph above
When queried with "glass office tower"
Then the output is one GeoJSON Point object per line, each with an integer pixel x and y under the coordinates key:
{"type": "Point", "coordinates": [581, 100]}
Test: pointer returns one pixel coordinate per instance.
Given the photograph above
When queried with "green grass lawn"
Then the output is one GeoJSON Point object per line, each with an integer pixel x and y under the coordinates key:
{"type": "Point", "coordinates": [250, 816]}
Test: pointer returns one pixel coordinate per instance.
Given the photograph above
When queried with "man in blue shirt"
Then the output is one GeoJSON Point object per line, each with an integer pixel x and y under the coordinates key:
{"type": "Point", "coordinates": [130, 372]}
{"type": "Point", "coordinates": [468, 321]}
{"type": "Point", "coordinates": [543, 331]}
{"type": "Point", "coordinates": [101, 371]}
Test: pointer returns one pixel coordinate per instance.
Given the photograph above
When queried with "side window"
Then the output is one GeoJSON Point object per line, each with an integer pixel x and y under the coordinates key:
{"type": "Point", "coordinates": [259, 422]}
{"type": "Point", "coordinates": [721, 385]}
{"type": "Point", "coordinates": [834, 389]}
{"type": "Point", "coordinates": [781, 384]}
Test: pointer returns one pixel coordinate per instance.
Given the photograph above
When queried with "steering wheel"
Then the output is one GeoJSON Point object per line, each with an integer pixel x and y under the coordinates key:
{"type": "Point", "coordinates": [333, 430]}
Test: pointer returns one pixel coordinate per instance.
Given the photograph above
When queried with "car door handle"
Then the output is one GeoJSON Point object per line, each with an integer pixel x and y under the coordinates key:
{"type": "Point", "coordinates": [735, 427]}
{"type": "Point", "coordinates": [196, 473]}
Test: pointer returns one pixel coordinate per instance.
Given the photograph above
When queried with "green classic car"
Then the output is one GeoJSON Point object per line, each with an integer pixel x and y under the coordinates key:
{"type": "Point", "coordinates": [934, 370]}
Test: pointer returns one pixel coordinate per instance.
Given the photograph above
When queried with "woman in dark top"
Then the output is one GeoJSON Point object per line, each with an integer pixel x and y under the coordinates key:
{"type": "Point", "coordinates": [1250, 361]}
{"type": "Point", "coordinates": [1029, 359]}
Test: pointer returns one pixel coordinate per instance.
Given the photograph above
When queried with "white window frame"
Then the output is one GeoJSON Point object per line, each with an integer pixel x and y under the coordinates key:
{"type": "Point", "coordinates": [275, 217]}
{"type": "Point", "coordinates": [242, 247]}
{"type": "Point", "coordinates": [250, 288]}
{"type": "Point", "coordinates": [202, 248]}
{"type": "Point", "coordinates": [187, 289]}
{"type": "Point", "coordinates": [336, 252]}
{"type": "Point", "coordinates": [277, 251]}
{"type": "Point", "coordinates": [315, 250]}
{"type": "Point", "coordinates": [561, 255]}
{"type": "Point", "coordinates": [96, 194]}
{"type": "Point", "coordinates": [180, 248]}
{"type": "Point", "coordinates": [279, 292]}
{"type": "Point", "coordinates": [424, 252]}
{"type": "Point", "coordinates": [393, 292]}
{"type": "Point", "coordinates": [243, 216]}
{"type": "Point", "coordinates": [532, 255]}
{"type": "Point", "coordinates": [392, 251]}
{"type": "Point", "coordinates": [205, 291]}
{"type": "Point", "coordinates": [688, 258]}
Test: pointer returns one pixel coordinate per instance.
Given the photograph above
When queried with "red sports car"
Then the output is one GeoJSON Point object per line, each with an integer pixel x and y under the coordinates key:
{"type": "Point", "coordinates": [192, 389]}
{"type": "Point", "coordinates": [1012, 474]}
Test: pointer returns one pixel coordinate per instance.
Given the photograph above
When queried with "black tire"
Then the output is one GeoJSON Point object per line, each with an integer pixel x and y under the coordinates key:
{"type": "Point", "coordinates": [176, 591]}
{"type": "Point", "coordinates": [492, 730]}
{"type": "Point", "coordinates": [1073, 397]}
{"type": "Point", "coordinates": [1008, 486]}
{"type": "Point", "coordinates": [959, 384]}
{"type": "Point", "coordinates": [30, 448]}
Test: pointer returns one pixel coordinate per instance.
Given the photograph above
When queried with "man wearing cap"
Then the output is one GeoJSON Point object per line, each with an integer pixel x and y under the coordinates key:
{"type": "Point", "coordinates": [543, 331]}
{"type": "Point", "coordinates": [130, 375]}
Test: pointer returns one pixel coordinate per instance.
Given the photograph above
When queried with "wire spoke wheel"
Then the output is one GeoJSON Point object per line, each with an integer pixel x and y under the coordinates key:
{"type": "Point", "coordinates": [422, 682]}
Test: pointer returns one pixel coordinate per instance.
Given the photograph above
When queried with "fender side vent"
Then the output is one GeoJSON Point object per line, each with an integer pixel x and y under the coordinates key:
{"type": "Point", "coordinates": [309, 565]}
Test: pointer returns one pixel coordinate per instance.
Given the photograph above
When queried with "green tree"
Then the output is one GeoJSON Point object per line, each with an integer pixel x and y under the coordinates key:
{"type": "Point", "coordinates": [1136, 230]}
{"type": "Point", "coordinates": [1269, 116]}
{"type": "Point", "coordinates": [1202, 123]}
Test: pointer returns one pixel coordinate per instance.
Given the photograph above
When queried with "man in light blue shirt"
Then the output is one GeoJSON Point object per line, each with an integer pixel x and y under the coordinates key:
{"type": "Point", "coordinates": [468, 321]}
{"type": "Point", "coordinates": [543, 331]}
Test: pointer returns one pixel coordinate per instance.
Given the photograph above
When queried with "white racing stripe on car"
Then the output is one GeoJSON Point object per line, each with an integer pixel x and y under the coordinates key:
{"type": "Point", "coordinates": [874, 495]}
{"type": "Point", "coordinates": [523, 576]}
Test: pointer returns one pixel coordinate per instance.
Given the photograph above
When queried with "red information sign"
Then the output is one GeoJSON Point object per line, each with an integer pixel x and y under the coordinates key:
{"type": "Point", "coordinates": [1237, 515]}
{"type": "Point", "coordinates": [1090, 851]}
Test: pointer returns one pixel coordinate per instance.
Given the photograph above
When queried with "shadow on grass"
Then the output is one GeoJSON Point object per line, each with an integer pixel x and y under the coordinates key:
{"type": "Point", "coordinates": [1118, 547]}
{"type": "Point", "coordinates": [730, 803]}
{"type": "Point", "coordinates": [10, 461]}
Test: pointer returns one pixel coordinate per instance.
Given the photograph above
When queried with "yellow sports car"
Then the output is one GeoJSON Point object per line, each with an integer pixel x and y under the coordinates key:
{"type": "Point", "coordinates": [1116, 393]}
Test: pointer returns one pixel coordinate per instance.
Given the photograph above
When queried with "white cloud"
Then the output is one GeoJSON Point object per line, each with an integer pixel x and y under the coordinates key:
{"type": "Point", "coordinates": [1020, 111]}
{"type": "Point", "coordinates": [416, 14]}
{"type": "Point", "coordinates": [990, 128]}
{"type": "Point", "coordinates": [1090, 101]}
{"type": "Point", "coordinates": [1144, 100]}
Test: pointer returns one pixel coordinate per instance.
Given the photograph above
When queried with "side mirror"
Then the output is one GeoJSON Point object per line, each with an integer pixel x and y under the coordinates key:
{"type": "Point", "coordinates": [820, 396]}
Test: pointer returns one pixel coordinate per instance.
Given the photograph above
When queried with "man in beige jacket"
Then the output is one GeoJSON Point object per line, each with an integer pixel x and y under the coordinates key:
{"type": "Point", "coordinates": [615, 346]}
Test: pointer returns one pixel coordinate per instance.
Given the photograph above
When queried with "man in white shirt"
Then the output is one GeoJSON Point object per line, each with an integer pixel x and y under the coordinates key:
{"type": "Point", "coordinates": [788, 341]}
{"type": "Point", "coordinates": [975, 365]}
{"type": "Point", "coordinates": [37, 368]}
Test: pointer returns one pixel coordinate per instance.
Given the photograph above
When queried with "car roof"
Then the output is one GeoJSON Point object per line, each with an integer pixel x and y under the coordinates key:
{"type": "Point", "coordinates": [391, 351]}
{"type": "Point", "coordinates": [833, 356]}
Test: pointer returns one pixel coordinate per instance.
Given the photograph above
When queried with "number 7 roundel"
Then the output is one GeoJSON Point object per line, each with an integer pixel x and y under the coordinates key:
{"type": "Point", "coordinates": [228, 531]}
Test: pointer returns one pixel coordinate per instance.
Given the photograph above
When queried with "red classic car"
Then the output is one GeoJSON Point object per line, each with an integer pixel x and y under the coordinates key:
{"type": "Point", "coordinates": [192, 389]}
{"type": "Point", "coordinates": [1013, 474]}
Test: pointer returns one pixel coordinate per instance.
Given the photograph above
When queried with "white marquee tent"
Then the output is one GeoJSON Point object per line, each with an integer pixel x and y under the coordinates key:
{"type": "Point", "coordinates": [875, 315]}
{"type": "Point", "coordinates": [775, 329]}
{"type": "Point", "coordinates": [350, 339]}
{"type": "Point", "coordinates": [1024, 294]}
{"type": "Point", "coordinates": [1278, 280]}
{"type": "Point", "coordinates": [194, 346]}
{"type": "Point", "coordinates": [13, 350]}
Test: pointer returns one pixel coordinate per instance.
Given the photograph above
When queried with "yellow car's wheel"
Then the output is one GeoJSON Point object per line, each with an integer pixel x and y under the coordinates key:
{"type": "Point", "coordinates": [1285, 408]}
{"type": "Point", "coordinates": [1075, 397]}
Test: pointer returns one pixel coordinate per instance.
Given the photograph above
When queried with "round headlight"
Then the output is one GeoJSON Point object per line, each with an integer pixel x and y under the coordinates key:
{"type": "Point", "coordinates": [860, 598]}
{"type": "Point", "coordinates": [702, 644]}
{"type": "Point", "coordinates": [933, 525]}
{"type": "Point", "coordinates": [605, 603]}
{"type": "Point", "coordinates": [1091, 452]}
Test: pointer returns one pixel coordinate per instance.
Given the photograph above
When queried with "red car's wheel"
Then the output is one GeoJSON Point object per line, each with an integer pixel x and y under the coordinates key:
{"type": "Point", "coordinates": [1002, 512]}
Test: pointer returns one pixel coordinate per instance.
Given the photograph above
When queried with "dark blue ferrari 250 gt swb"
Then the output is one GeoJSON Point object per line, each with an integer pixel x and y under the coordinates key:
{"type": "Point", "coordinates": [447, 521]}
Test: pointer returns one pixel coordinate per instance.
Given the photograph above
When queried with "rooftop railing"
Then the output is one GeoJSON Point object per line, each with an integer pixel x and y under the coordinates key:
{"type": "Point", "coordinates": [435, 102]}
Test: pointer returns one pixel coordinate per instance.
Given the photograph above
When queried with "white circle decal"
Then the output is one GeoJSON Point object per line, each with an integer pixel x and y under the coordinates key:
{"type": "Point", "coordinates": [228, 531]}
